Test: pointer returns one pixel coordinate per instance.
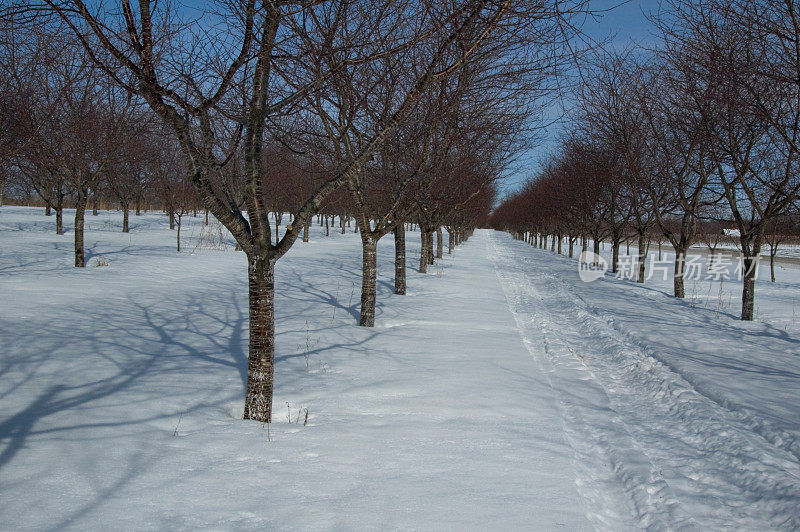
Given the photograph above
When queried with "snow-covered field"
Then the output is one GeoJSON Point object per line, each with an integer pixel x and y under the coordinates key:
{"type": "Point", "coordinates": [500, 393]}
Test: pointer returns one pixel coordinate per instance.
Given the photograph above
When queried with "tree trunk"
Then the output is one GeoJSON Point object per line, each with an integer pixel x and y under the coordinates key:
{"type": "Point", "coordinates": [94, 204]}
{"type": "Point", "coordinates": [80, 210]}
{"type": "Point", "coordinates": [400, 259]}
{"type": "Point", "coordinates": [439, 242]}
{"type": "Point", "coordinates": [341, 223]}
{"type": "Point", "coordinates": [749, 288]}
{"type": "Point", "coordinates": [125, 218]}
{"type": "Point", "coordinates": [369, 275]}
{"type": "Point", "coordinates": [772, 263]}
{"type": "Point", "coordinates": [423, 252]}
{"type": "Point", "coordinates": [429, 241]}
{"type": "Point", "coordinates": [752, 250]}
{"type": "Point", "coordinates": [615, 254]}
{"type": "Point", "coordinates": [680, 270]}
{"type": "Point", "coordinates": [171, 214]}
{"type": "Point", "coordinates": [305, 231]}
{"type": "Point", "coordinates": [180, 216]}
{"type": "Point", "coordinates": [60, 214]}
{"type": "Point", "coordinates": [571, 246]}
{"type": "Point", "coordinates": [643, 244]}
{"type": "Point", "coordinates": [205, 221]}
{"type": "Point", "coordinates": [47, 210]}
{"type": "Point", "coordinates": [261, 356]}
{"type": "Point", "coordinates": [327, 227]}
{"type": "Point", "coordinates": [559, 244]}
{"type": "Point", "coordinates": [450, 241]}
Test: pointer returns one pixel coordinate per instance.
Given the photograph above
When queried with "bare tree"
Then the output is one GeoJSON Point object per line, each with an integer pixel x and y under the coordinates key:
{"type": "Point", "coordinates": [753, 113]}
{"type": "Point", "coordinates": [248, 66]}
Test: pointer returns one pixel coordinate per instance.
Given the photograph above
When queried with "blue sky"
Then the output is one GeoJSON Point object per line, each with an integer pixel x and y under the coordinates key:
{"type": "Point", "coordinates": [624, 24]}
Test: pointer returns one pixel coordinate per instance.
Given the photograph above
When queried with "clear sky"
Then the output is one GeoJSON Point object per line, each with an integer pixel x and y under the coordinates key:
{"type": "Point", "coordinates": [624, 24]}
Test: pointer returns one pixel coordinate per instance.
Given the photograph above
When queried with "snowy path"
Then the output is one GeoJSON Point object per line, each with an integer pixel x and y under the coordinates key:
{"type": "Point", "coordinates": [646, 440]}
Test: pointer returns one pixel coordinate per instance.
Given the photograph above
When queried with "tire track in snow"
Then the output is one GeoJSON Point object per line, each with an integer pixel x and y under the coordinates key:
{"type": "Point", "coordinates": [683, 460]}
{"type": "Point", "coordinates": [771, 433]}
{"type": "Point", "coordinates": [611, 467]}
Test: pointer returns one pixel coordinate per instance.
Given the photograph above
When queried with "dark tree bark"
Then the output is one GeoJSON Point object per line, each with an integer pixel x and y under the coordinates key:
{"type": "Point", "coordinates": [261, 358]}
{"type": "Point", "coordinates": [751, 250]}
{"type": "Point", "coordinates": [680, 271]}
{"type": "Point", "coordinates": [305, 231]}
{"type": "Point", "coordinates": [400, 259]}
{"type": "Point", "coordinates": [643, 245]}
{"type": "Point", "coordinates": [423, 251]}
{"type": "Point", "coordinates": [80, 211]}
{"type": "Point", "coordinates": [450, 241]}
{"type": "Point", "coordinates": [369, 279]}
{"type": "Point", "coordinates": [439, 242]}
{"type": "Point", "coordinates": [615, 243]}
{"type": "Point", "coordinates": [59, 213]}
{"type": "Point", "coordinates": [772, 253]}
{"type": "Point", "coordinates": [125, 218]}
{"type": "Point", "coordinates": [178, 234]}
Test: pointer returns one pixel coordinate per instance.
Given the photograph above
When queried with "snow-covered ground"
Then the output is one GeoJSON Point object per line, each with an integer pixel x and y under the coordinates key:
{"type": "Point", "coordinates": [693, 415]}
{"type": "Point", "coordinates": [501, 392]}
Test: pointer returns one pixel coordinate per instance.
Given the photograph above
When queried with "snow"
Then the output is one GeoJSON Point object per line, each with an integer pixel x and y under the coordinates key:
{"type": "Point", "coordinates": [692, 415]}
{"type": "Point", "coordinates": [500, 393]}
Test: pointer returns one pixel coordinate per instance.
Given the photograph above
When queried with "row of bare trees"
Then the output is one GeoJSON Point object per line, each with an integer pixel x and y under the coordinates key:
{"type": "Point", "coordinates": [705, 127]}
{"type": "Point", "coordinates": [385, 111]}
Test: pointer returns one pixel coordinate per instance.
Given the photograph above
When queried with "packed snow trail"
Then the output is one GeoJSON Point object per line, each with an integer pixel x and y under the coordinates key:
{"type": "Point", "coordinates": [638, 428]}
